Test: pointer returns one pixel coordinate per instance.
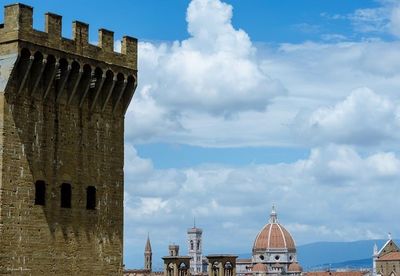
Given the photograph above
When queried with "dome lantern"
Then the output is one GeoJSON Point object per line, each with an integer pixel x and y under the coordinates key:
{"type": "Point", "coordinates": [273, 218]}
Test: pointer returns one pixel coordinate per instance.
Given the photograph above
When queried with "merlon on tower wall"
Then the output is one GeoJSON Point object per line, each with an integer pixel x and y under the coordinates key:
{"type": "Point", "coordinates": [62, 109]}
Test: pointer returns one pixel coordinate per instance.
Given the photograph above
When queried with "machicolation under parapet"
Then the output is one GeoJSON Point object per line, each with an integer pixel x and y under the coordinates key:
{"type": "Point", "coordinates": [47, 56]}
{"type": "Point", "coordinates": [62, 120]}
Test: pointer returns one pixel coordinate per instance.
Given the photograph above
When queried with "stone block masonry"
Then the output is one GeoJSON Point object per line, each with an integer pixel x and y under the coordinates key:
{"type": "Point", "coordinates": [62, 109]}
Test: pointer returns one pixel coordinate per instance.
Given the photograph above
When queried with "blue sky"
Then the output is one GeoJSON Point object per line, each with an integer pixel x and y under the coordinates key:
{"type": "Point", "coordinates": [265, 21]}
{"type": "Point", "coordinates": [245, 104]}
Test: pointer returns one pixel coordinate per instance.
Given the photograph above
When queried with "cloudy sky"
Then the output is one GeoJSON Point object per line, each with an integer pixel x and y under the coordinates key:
{"type": "Point", "coordinates": [245, 104]}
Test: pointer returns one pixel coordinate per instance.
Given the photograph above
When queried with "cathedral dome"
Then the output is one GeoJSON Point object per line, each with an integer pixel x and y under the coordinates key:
{"type": "Point", "coordinates": [274, 236]}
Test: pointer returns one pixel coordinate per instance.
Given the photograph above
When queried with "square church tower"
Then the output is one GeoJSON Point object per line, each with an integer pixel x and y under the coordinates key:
{"type": "Point", "coordinates": [62, 109]}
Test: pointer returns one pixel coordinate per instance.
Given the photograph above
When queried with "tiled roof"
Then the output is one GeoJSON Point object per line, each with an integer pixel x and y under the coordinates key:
{"type": "Point", "coordinates": [274, 236]}
{"type": "Point", "coordinates": [391, 256]}
{"type": "Point", "coordinates": [295, 267]}
{"type": "Point", "coordinates": [336, 273]}
{"type": "Point", "coordinates": [259, 267]}
{"type": "Point", "coordinates": [243, 261]}
{"type": "Point", "coordinates": [137, 270]}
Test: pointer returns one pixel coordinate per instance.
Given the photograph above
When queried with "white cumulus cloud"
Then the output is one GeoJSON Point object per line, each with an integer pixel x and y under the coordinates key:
{"type": "Point", "coordinates": [218, 89]}
{"type": "Point", "coordinates": [395, 20]}
{"type": "Point", "coordinates": [336, 193]}
{"type": "Point", "coordinates": [363, 118]}
{"type": "Point", "coordinates": [215, 70]}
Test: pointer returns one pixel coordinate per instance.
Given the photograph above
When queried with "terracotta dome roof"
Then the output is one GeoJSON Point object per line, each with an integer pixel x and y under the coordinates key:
{"type": "Point", "coordinates": [259, 268]}
{"type": "Point", "coordinates": [274, 236]}
{"type": "Point", "coordinates": [295, 267]}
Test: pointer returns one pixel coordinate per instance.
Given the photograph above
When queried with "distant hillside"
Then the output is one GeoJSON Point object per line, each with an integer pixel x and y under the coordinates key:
{"type": "Point", "coordinates": [354, 264]}
{"type": "Point", "coordinates": [325, 253]}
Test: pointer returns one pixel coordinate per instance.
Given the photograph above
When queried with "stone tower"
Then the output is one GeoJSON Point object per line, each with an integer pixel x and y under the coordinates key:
{"type": "Point", "coordinates": [62, 109]}
{"type": "Point", "coordinates": [174, 264]}
{"type": "Point", "coordinates": [148, 255]}
{"type": "Point", "coordinates": [195, 249]}
{"type": "Point", "coordinates": [173, 250]}
{"type": "Point", "coordinates": [222, 265]}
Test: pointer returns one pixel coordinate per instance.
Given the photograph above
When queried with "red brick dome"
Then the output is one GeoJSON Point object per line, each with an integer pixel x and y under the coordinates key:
{"type": "Point", "coordinates": [273, 236]}
{"type": "Point", "coordinates": [259, 268]}
{"type": "Point", "coordinates": [295, 267]}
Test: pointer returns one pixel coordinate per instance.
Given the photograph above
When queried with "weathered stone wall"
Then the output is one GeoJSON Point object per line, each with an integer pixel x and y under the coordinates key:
{"type": "Point", "coordinates": [61, 121]}
{"type": "Point", "coordinates": [386, 268]}
{"type": "Point", "coordinates": [221, 265]}
{"type": "Point", "coordinates": [18, 19]}
{"type": "Point", "coordinates": [177, 265]}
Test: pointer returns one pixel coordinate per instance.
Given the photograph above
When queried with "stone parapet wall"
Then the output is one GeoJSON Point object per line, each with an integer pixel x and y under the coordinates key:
{"type": "Point", "coordinates": [18, 25]}
{"type": "Point", "coordinates": [62, 109]}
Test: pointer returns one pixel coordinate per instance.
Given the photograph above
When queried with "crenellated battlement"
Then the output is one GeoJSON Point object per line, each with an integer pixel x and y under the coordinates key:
{"type": "Point", "coordinates": [68, 71]}
{"type": "Point", "coordinates": [62, 118]}
{"type": "Point", "coordinates": [18, 25]}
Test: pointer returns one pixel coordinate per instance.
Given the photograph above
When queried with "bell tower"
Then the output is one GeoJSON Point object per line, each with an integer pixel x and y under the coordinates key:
{"type": "Point", "coordinates": [62, 110]}
{"type": "Point", "coordinates": [148, 255]}
{"type": "Point", "coordinates": [195, 249]}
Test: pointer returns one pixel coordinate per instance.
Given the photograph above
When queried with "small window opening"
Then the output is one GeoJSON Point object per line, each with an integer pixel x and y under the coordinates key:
{"type": "Point", "coordinates": [91, 198]}
{"type": "Point", "coordinates": [40, 193]}
{"type": "Point", "coordinates": [58, 74]}
{"type": "Point", "coordinates": [66, 195]}
{"type": "Point", "coordinates": [93, 80]}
